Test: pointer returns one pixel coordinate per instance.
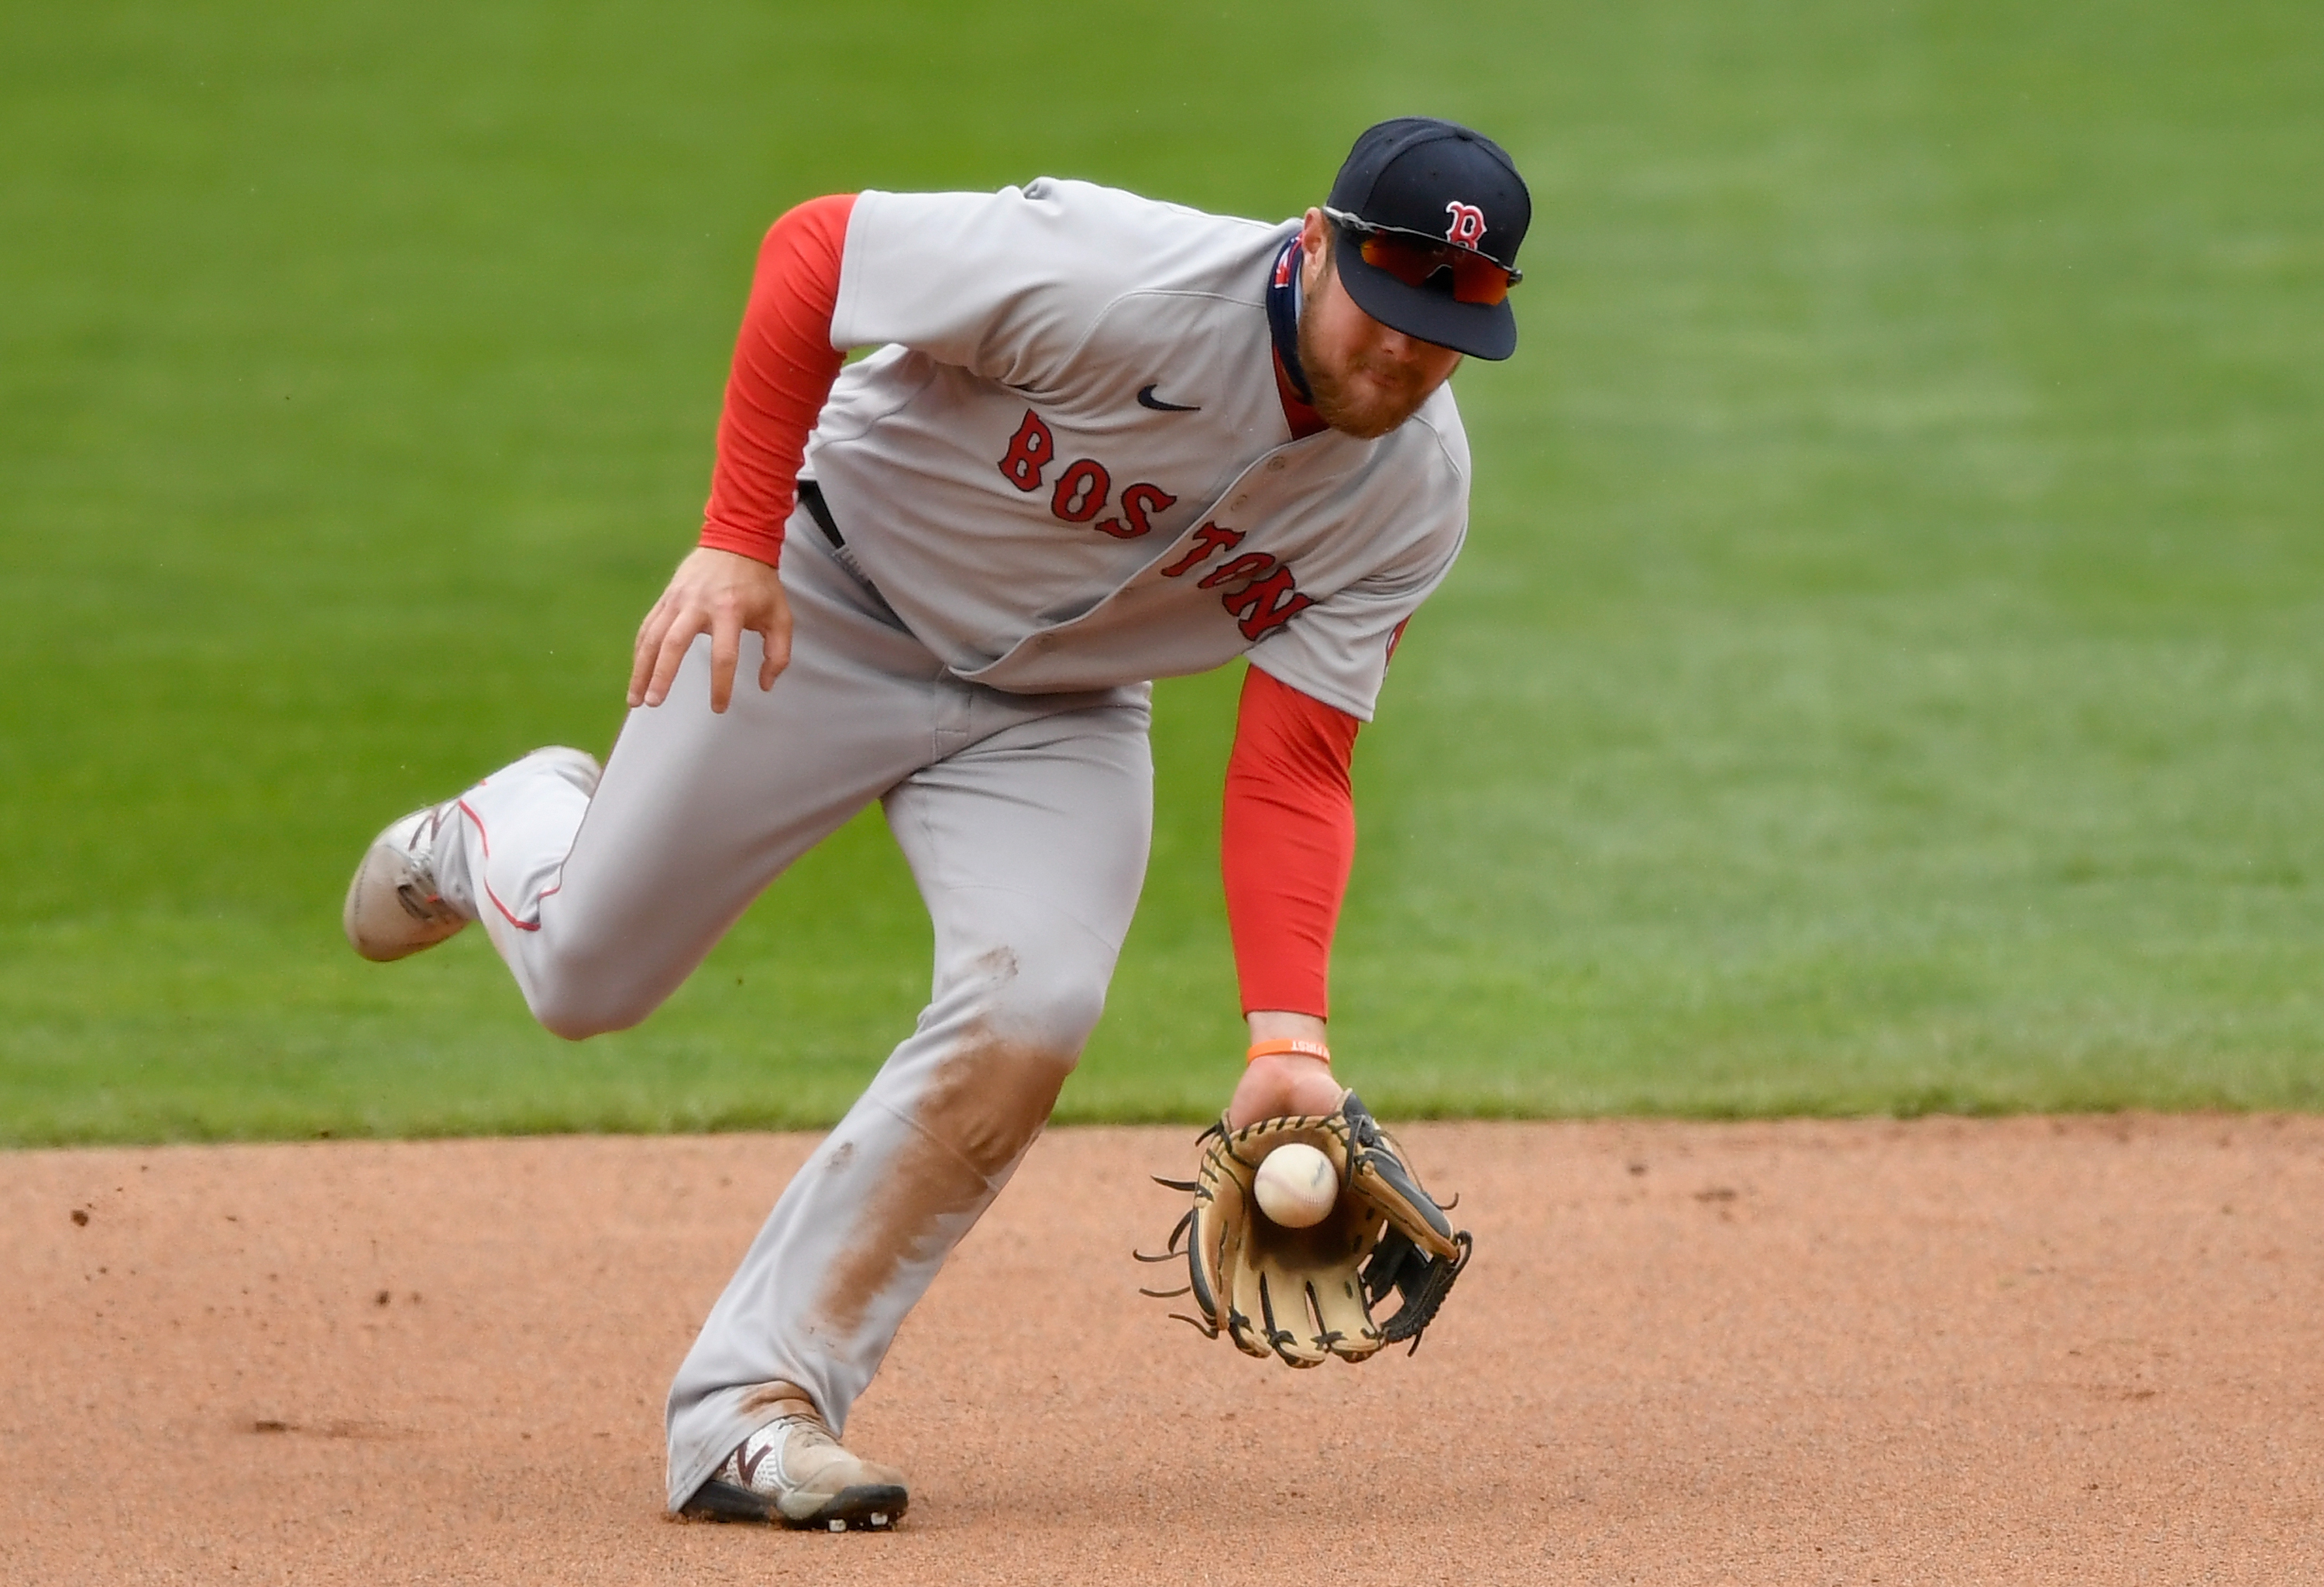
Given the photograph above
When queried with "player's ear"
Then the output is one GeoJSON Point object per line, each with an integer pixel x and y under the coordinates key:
{"type": "Point", "coordinates": [1316, 246]}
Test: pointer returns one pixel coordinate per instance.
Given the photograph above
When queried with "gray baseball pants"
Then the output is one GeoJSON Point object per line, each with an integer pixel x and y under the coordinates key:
{"type": "Point", "coordinates": [1026, 821]}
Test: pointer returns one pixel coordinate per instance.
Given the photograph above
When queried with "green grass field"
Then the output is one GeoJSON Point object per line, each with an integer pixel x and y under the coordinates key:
{"type": "Point", "coordinates": [1887, 673]}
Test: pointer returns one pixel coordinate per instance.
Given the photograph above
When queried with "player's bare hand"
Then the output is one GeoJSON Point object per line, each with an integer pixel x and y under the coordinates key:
{"type": "Point", "coordinates": [722, 593]}
{"type": "Point", "coordinates": [1283, 1085]}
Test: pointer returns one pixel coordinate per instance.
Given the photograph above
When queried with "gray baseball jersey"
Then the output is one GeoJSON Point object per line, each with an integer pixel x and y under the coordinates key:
{"type": "Point", "coordinates": [1066, 468]}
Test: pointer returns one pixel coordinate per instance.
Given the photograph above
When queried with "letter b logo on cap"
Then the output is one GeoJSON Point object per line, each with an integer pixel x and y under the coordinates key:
{"type": "Point", "coordinates": [1468, 227]}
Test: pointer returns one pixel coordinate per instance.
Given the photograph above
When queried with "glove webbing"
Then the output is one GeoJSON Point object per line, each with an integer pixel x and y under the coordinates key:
{"type": "Point", "coordinates": [1396, 1264]}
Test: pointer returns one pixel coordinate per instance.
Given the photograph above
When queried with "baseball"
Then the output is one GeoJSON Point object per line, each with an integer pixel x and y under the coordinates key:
{"type": "Point", "coordinates": [1296, 1186]}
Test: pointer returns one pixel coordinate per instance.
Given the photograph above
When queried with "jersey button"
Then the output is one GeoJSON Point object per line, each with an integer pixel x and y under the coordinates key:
{"type": "Point", "coordinates": [1275, 466]}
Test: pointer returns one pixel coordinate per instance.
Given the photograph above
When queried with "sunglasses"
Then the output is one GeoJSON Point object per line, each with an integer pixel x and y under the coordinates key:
{"type": "Point", "coordinates": [1414, 258]}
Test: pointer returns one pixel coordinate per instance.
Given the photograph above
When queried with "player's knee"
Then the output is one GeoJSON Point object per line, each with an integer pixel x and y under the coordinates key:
{"type": "Point", "coordinates": [580, 983]}
{"type": "Point", "coordinates": [1051, 1009]}
{"type": "Point", "coordinates": [578, 1007]}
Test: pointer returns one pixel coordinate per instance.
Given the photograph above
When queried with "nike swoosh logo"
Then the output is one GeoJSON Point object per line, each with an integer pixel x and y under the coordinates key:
{"type": "Point", "coordinates": [1147, 399]}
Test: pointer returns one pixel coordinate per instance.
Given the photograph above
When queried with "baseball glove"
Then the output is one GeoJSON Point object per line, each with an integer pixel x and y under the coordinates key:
{"type": "Point", "coordinates": [1304, 1296]}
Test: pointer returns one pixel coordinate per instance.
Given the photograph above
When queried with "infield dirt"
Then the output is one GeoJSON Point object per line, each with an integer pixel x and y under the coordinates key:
{"type": "Point", "coordinates": [2033, 1350]}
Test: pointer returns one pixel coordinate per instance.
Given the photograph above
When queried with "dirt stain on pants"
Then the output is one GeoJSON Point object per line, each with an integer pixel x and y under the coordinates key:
{"type": "Point", "coordinates": [982, 1109]}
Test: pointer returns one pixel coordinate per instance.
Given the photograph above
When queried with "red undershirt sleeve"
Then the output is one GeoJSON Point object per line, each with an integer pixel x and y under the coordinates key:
{"type": "Point", "coordinates": [1287, 842]}
{"type": "Point", "coordinates": [783, 365]}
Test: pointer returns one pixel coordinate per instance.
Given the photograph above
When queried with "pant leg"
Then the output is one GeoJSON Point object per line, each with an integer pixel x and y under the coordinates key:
{"type": "Point", "coordinates": [1029, 847]}
{"type": "Point", "coordinates": [603, 905]}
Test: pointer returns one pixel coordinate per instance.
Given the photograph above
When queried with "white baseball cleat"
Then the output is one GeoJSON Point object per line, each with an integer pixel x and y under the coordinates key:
{"type": "Point", "coordinates": [395, 907]}
{"type": "Point", "coordinates": [792, 1471]}
{"type": "Point", "coordinates": [392, 906]}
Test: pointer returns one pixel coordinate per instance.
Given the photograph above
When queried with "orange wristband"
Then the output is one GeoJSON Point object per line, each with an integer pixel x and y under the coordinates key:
{"type": "Point", "coordinates": [1287, 1044]}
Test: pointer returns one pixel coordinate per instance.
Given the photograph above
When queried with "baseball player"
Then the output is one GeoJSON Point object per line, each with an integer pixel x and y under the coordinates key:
{"type": "Point", "coordinates": [1103, 440]}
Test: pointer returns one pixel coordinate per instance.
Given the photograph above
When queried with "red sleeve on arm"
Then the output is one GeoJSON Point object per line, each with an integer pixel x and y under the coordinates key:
{"type": "Point", "coordinates": [783, 365]}
{"type": "Point", "coordinates": [1288, 838]}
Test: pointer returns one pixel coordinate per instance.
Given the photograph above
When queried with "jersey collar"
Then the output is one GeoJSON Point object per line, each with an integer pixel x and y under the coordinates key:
{"type": "Point", "coordinates": [1283, 300]}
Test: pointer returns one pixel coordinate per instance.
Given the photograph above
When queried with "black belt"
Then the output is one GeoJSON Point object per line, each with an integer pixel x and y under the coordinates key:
{"type": "Point", "coordinates": [810, 496]}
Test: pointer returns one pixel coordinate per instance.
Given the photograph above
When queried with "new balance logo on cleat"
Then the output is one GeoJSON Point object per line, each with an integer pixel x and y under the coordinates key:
{"type": "Point", "coordinates": [793, 1473]}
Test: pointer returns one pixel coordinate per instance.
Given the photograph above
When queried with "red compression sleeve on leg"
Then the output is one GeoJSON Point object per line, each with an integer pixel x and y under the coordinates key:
{"type": "Point", "coordinates": [783, 365]}
{"type": "Point", "coordinates": [1288, 838]}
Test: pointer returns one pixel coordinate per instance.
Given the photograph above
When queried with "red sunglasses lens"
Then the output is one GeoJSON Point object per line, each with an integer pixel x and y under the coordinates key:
{"type": "Point", "coordinates": [1475, 278]}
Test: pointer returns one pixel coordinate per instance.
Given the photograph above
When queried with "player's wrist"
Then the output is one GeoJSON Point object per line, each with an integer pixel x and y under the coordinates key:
{"type": "Point", "coordinates": [1289, 1046]}
{"type": "Point", "coordinates": [749, 555]}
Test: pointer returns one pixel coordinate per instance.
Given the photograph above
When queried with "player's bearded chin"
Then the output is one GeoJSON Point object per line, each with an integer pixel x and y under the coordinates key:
{"type": "Point", "coordinates": [1363, 394]}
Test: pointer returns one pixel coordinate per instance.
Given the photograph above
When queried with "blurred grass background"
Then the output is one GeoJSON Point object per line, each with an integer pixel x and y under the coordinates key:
{"type": "Point", "coordinates": [1884, 675]}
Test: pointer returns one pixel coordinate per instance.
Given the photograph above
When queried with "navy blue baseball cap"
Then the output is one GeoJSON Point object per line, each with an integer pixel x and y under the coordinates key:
{"type": "Point", "coordinates": [1429, 216]}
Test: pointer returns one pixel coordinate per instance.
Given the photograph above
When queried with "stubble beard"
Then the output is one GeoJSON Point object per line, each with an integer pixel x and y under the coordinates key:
{"type": "Point", "coordinates": [1336, 399]}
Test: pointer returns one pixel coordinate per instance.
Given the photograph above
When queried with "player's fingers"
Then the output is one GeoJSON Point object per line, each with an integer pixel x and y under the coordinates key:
{"type": "Point", "coordinates": [676, 641]}
{"type": "Point", "coordinates": [649, 646]}
{"type": "Point", "coordinates": [776, 634]}
{"type": "Point", "coordinates": [725, 654]}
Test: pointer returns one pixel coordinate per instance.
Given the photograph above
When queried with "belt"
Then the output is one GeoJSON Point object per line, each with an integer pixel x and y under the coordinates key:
{"type": "Point", "coordinates": [810, 496]}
